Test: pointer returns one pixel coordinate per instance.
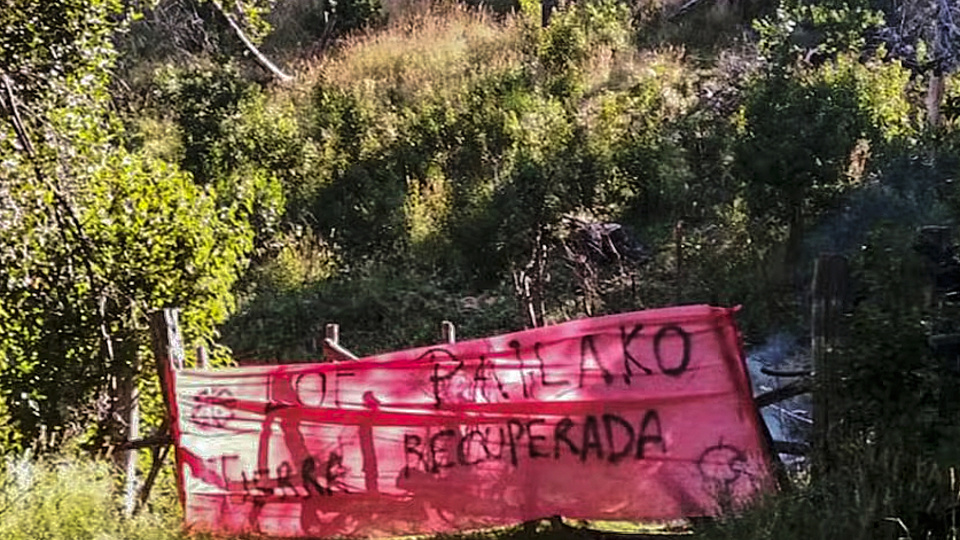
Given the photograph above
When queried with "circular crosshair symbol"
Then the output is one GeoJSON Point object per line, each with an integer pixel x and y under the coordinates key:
{"type": "Point", "coordinates": [722, 463]}
{"type": "Point", "coordinates": [212, 409]}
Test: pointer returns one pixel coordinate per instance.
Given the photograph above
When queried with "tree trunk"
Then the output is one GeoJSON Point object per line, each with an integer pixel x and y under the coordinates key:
{"type": "Point", "coordinates": [935, 98]}
{"type": "Point", "coordinates": [794, 237]}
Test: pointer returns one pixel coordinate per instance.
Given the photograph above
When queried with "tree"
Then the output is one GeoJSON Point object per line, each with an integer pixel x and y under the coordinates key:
{"type": "Point", "coordinates": [172, 28]}
{"type": "Point", "coordinates": [93, 235]}
{"type": "Point", "coordinates": [926, 33]}
{"type": "Point", "coordinates": [802, 126]}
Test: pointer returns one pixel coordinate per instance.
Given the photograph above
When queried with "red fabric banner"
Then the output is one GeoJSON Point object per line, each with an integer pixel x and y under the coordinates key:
{"type": "Point", "coordinates": [640, 416]}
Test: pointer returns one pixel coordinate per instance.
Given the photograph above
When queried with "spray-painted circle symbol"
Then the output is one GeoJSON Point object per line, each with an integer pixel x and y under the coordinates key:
{"type": "Point", "coordinates": [722, 464]}
{"type": "Point", "coordinates": [212, 408]}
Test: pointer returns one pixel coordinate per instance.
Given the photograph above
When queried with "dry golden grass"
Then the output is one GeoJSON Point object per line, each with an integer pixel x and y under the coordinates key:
{"type": "Point", "coordinates": [420, 53]}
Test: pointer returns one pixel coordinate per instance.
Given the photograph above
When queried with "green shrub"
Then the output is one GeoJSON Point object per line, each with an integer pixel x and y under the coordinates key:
{"type": "Point", "coordinates": [878, 494]}
{"type": "Point", "coordinates": [837, 117]}
{"type": "Point", "coordinates": [574, 36]}
{"type": "Point", "coordinates": [884, 474]}
{"type": "Point", "coordinates": [643, 173]}
{"type": "Point", "coordinates": [818, 30]}
{"type": "Point", "coordinates": [201, 100]}
{"type": "Point", "coordinates": [250, 151]}
{"type": "Point", "coordinates": [379, 307]}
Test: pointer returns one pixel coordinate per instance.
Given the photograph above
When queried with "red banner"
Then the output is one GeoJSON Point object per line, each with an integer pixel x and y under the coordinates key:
{"type": "Point", "coordinates": [640, 416]}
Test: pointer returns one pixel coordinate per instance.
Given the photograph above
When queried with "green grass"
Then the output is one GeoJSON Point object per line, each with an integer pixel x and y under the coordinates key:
{"type": "Point", "coordinates": [59, 498]}
{"type": "Point", "coordinates": [875, 494]}
{"type": "Point", "coordinates": [75, 498]}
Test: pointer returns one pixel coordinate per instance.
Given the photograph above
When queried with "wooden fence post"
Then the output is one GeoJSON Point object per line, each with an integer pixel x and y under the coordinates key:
{"type": "Point", "coordinates": [168, 353]}
{"type": "Point", "coordinates": [678, 248]}
{"type": "Point", "coordinates": [332, 350]}
{"type": "Point", "coordinates": [202, 361]}
{"type": "Point", "coordinates": [167, 350]}
{"type": "Point", "coordinates": [829, 297]}
{"type": "Point", "coordinates": [131, 393]}
{"type": "Point", "coordinates": [332, 332]}
{"type": "Point", "coordinates": [448, 332]}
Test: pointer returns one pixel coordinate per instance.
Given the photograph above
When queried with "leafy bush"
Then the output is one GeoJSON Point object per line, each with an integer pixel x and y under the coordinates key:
{"type": "Point", "coordinates": [202, 99]}
{"type": "Point", "coordinates": [150, 238]}
{"type": "Point", "coordinates": [816, 31]}
{"type": "Point", "coordinates": [379, 308]}
{"type": "Point", "coordinates": [837, 116]}
{"type": "Point", "coordinates": [249, 151]}
{"type": "Point", "coordinates": [890, 380]}
{"type": "Point", "coordinates": [880, 493]}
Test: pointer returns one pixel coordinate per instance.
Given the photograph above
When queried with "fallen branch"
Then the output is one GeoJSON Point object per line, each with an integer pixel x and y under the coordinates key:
{"type": "Point", "coordinates": [684, 9]}
{"type": "Point", "coordinates": [791, 448]}
{"type": "Point", "coordinates": [158, 440]}
{"type": "Point", "coordinates": [257, 55]}
{"type": "Point", "coordinates": [786, 373]}
{"type": "Point", "coordinates": [159, 455]}
{"type": "Point", "coordinates": [785, 392]}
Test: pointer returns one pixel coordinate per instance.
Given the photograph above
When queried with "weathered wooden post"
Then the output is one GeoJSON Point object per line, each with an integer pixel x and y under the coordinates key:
{"type": "Point", "coordinates": [167, 351]}
{"type": "Point", "coordinates": [168, 356]}
{"type": "Point", "coordinates": [828, 302]}
{"type": "Point", "coordinates": [448, 332]}
{"type": "Point", "coordinates": [546, 10]}
{"type": "Point", "coordinates": [130, 392]}
{"type": "Point", "coordinates": [332, 332]}
{"type": "Point", "coordinates": [203, 362]}
{"type": "Point", "coordinates": [332, 350]}
{"type": "Point", "coordinates": [678, 248]}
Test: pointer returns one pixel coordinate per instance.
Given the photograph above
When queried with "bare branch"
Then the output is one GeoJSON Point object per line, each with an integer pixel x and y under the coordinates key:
{"type": "Point", "coordinates": [259, 56]}
{"type": "Point", "coordinates": [793, 389]}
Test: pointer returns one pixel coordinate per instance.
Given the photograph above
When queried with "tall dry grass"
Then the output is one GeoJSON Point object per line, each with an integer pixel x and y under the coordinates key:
{"type": "Point", "coordinates": [421, 53]}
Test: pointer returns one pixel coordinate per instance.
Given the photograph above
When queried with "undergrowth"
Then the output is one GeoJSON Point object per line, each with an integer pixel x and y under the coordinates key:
{"type": "Point", "coordinates": [61, 498]}
{"type": "Point", "coordinates": [878, 494]}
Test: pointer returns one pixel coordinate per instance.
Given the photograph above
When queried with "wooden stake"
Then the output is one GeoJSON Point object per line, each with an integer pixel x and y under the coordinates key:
{"type": "Point", "coordinates": [167, 343]}
{"type": "Point", "coordinates": [202, 361]}
{"type": "Point", "coordinates": [934, 99]}
{"type": "Point", "coordinates": [829, 298]}
{"type": "Point", "coordinates": [448, 332]}
{"type": "Point", "coordinates": [159, 455]}
{"type": "Point", "coordinates": [168, 355]}
{"type": "Point", "coordinates": [332, 332]}
{"type": "Point", "coordinates": [332, 349]}
{"type": "Point", "coordinates": [678, 247]}
{"type": "Point", "coordinates": [133, 433]}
